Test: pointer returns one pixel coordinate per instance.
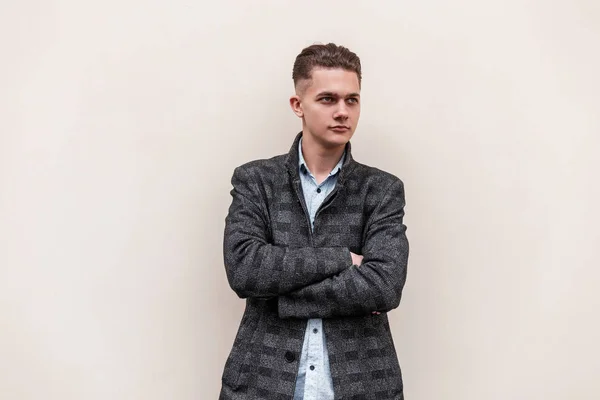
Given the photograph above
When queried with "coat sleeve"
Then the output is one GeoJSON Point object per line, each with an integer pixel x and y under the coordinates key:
{"type": "Point", "coordinates": [257, 268]}
{"type": "Point", "coordinates": [375, 285]}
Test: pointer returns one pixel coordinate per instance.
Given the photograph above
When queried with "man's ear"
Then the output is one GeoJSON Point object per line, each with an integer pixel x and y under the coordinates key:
{"type": "Point", "coordinates": [296, 106]}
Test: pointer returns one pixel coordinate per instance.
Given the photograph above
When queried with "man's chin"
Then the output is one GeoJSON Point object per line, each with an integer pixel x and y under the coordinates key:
{"type": "Point", "coordinates": [338, 138]}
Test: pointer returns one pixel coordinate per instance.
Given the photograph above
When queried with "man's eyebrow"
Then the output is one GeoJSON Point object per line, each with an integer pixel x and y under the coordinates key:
{"type": "Point", "coordinates": [331, 94]}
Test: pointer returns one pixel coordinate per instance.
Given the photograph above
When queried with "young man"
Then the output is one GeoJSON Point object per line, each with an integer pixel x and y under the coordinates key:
{"type": "Point", "coordinates": [315, 243]}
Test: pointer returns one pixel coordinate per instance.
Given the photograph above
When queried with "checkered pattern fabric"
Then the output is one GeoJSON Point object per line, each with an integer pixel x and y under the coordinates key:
{"type": "Point", "coordinates": [288, 274]}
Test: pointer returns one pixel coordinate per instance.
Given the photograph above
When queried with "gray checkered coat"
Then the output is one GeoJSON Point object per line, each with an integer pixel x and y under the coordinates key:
{"type": "Point", "coordinates": [288, 274]}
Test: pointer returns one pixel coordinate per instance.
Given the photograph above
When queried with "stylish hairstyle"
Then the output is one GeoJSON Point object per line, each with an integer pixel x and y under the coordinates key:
{"type": "Point", "coordinates": [326, 56]}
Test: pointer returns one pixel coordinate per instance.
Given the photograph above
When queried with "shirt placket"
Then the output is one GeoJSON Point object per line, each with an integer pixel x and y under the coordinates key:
{"type": "Point", "coordinates": [314, 360]}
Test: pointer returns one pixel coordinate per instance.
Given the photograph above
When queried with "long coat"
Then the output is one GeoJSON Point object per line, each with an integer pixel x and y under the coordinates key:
{"type": "Point", "coordinates": [288, 273]}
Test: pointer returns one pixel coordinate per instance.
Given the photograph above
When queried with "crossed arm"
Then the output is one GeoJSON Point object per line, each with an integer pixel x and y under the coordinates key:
{"type": "Point", "coordinates": [314, 282]}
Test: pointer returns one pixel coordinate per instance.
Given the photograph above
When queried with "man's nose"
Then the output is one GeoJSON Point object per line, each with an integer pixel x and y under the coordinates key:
{"type": "Point", "coordinates": [341, 112]}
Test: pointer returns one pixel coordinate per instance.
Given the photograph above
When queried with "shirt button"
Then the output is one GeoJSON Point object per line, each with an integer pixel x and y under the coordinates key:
{"type": "Point", "coordinates": [312, 367]}
{"type": "Point", "coordinates": [315, 330]}
{"type": "Point", "coordinates": [318, 190]}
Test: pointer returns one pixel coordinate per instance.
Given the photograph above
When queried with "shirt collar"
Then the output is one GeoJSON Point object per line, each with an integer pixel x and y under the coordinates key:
{"type": "Point", "coordinates": [304, 168]}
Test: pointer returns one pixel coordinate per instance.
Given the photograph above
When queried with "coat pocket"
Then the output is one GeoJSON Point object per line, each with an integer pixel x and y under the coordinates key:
{"type": "Point", "coordinates": [240, 352]}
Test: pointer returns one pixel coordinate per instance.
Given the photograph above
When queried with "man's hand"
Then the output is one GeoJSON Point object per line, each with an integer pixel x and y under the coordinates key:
{"type": "Point", "coordinates": [357, 260]}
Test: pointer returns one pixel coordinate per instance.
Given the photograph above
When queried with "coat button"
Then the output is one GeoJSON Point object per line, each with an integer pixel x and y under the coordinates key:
{"type": "Point", "coordinates": [289, 356]}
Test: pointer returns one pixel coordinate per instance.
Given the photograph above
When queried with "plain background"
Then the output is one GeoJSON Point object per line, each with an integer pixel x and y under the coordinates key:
{"type": "Point", "coordinates": [121, 123]}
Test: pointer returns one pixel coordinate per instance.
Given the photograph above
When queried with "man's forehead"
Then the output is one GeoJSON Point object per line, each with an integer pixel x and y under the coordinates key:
{"type": "Point", "coordinates": [336, 81]}
{"type": "Point", "coordinates": [334, 75]}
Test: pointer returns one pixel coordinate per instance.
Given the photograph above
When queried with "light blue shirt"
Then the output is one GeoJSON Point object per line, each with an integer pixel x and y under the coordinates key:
{"type": "Point", "coordinates": [314, 377]}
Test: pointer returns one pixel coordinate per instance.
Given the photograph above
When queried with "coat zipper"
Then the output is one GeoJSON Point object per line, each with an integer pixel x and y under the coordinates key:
{"type": "Point", "coordinates": [305, 208]}
{"type": "Point", "coordinates": [326, 202]}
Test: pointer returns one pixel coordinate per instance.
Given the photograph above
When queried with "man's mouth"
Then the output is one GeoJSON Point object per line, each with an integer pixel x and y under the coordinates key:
{"type": "Point", "coordinates": [340, 128]}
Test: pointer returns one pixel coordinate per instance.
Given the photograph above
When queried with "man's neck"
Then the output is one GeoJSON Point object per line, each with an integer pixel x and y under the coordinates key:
{"type": "Point", "coordinates": [320, 160]}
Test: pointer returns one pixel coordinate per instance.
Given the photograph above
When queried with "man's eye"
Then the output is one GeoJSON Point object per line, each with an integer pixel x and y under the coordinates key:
{"type": "Point", "coordinates": [327, 99]}
{"type": "Point", "coordinates": [353, 100]}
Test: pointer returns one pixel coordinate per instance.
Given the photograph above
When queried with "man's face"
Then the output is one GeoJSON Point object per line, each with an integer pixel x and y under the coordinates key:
{"type": "Point", "coordinates": [329, 105]}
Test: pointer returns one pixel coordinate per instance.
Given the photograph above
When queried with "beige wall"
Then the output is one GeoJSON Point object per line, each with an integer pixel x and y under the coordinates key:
{"type": "Point", "coordinates": [121, 123]}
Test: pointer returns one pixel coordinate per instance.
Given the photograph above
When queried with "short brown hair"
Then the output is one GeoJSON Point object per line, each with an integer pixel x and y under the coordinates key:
{"type": "Point", "coordinates": [326, 56]}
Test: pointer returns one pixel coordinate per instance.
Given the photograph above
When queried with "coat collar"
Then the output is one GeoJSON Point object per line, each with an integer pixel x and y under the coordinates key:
{"type": "Point", "coordinates": [292, 161]}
